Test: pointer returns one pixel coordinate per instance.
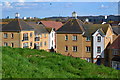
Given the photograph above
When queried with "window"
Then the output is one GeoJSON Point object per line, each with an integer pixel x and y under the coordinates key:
{"type": "Point", "coordinates": [99, 39]}
{"type": "Point", "coordinates": [40, 35]}
{"type": "Point", "coordinates": [66, 48]}
{"type": "Point", "coordinates": [45, 43]}
{"type": "Point", "coordinates": [41, 44]}
{"type": "Point", "coordinates": [37, 39]}
{"type": "Point", "coordinates": [88, 59]}
{"type": "Point", "coordinates": [5, 35]}
{"type": "Point", "coordinates": [66, 37]}
{"type": "Point", "coordinates": [37, 44]}
{"type": "Point", "coordinates": [87, 38]}
{"type": "Point", "coordinates": [30, 34]}
{"type": "Point", "coordinates": [52, 42]}
{"type": "Point", "coordinates": [25, 36]}
{"type": "Point", "coordinates": [12, 45]}
{"type": "Point", "coordinates": [87, 49]}
{"type": "Point", "coordinates": [74, 38]}
{"type": "Point", "coordinates": [45, 35]}
{"type": "Point", "coordinates": [52, 34]}
{"type": "Point", "coordinates": [115, 52]}
{"type": "Point", "coordinates": [98, 49]}
{"type": "Point", "coordinates": [12, 35]}
{"type": "Point", "coordinates": [30, 43]}
{"type": "Point", "coordinates": [74, 48]}
{"type": "Point", "coordinates": [5, 44]}
{"type": "Point", "coordinates": [25, 45]}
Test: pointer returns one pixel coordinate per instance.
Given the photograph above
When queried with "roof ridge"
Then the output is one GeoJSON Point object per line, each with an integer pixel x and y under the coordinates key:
{"type": "Point", "coordinates": [80, 25]}
{"type": "Point", "coordinates": [19, 24]}
{"type": "Point", "coordinates": [66, 22]}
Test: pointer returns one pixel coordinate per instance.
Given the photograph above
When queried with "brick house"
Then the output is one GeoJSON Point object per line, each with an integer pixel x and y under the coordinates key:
{"type": "Point", "coordinates": [76, 38]}
{"type": "Point", "coordinates": [17, 33]}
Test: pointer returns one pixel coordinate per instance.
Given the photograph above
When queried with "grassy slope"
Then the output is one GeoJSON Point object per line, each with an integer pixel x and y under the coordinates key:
{"type": "Point", "coordinates": [27, 63]}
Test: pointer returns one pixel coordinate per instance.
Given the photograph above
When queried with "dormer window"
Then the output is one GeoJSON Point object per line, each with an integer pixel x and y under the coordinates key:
{"type": "Point", "coordinates": [98, 39]}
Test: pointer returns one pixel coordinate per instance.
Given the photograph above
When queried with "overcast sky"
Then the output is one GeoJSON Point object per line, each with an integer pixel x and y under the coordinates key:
{"type": "Point", "coordinates": [48, 9]}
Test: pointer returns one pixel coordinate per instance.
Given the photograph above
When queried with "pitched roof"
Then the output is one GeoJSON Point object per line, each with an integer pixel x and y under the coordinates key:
{"type": "Point", "coordinates": [116, 29]}
{"type": "Point", "coordinates": [92, 28]}
{"type": "Point", "coordinates": [52, 24]}
{"type": "Point", "coordinates": [72, 26]}
{"type": "Point", "coordinates": [17, 25]}
{"type": "Point", "coordinates": [115, 44]}
{"type": "Point", "coordinates": [40, 29]}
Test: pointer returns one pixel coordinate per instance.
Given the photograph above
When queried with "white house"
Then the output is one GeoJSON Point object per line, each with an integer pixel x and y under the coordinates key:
{"type": "Point", "coordinates": [52, 39]}
{"type": "Point", "coordinates": [98, 46]}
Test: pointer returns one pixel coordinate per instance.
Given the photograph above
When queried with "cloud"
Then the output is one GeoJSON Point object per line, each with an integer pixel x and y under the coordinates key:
{"type": "Point", "coordinates": [68, 5]}
{"type": "Point", "coordinates": [21, 0]}
{"type": "Point", "coordinates": [103, 6]}
{"type": "Point", "coordinates": [7, 5]}
{"type": "Point", "coordinates": [25, 4]}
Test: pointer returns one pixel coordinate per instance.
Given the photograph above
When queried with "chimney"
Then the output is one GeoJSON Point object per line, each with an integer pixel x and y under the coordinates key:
{"type": "Point", "coordinates": [74, 15]}
{"type": "Point", "coordinates": [87, 20]}
{"type": "Point", "coordinates": [17, 15]}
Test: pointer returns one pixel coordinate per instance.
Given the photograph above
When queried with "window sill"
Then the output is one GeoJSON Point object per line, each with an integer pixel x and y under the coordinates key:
{"type": "Point", "coordinates": [74, 40]}
{"type": "Point", "coordinates": [74, 51]}
{"type": "Point", "coordinates": [88, 41]}
{"type": "Point", "coordinates": [98, 41]}
{"type": "Point", "coordinates": [88, 52]}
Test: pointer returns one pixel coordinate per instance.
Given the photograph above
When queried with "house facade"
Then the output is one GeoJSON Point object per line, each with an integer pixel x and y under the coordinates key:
{"type": "Point", "coordinates": [114, 54]}
{"type": "Point", "coordinates": [18, 34]}
{"type": "Point", "coordinates": [98, 46]}
{"type": "Point", "coordinates": [80, 40]}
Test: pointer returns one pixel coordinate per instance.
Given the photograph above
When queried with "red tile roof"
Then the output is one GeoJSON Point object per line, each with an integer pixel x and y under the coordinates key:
{"type": "Point", "coordinates": [52, 24]}
{"type": "Point", "coordinates": [115, 44]}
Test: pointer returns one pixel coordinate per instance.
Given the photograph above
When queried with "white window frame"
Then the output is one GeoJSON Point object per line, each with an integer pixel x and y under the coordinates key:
{"type": "Point", "coordinates": [98, 49]}
{"type": "Point", "coordinates": [45, 43]}
{"type": "Point", "coordinates": [88, 49]}
{"type": "Point", "coordinates": [12, 44]}
{"type": "Point", "coordinates": [5, 35]}
{"type": "Point", "coordinates": [25, 44]}
{"type": "Point", "coordinates": [5, 44]}
{"type": "Point", "coordinates": [74, 48]}
{"type": "Point", "coordinates": [66, 48]}
{"type": "Point", "coordinates": [40, 44]}
{"type": "Point", "coordinates": [66, 37]}
{"type": "Point", "coordinates": [98, 38]}
{"type": "Point", "coordinates": [12, 35]}
{"type": "Point", "coordinates": [87, 38]}
{"type": "Point", "coordinates": [74, 37]}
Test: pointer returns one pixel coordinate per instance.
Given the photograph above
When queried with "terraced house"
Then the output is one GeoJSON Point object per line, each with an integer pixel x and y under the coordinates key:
{"type": "Point", "coordinates": [18, 34]}
{"type": "Point", "coordinates": [86, 41]}
{"type": "Point", "coordinates": [45, 34]}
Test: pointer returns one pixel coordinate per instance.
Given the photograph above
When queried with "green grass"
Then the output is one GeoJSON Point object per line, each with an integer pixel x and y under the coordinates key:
{"type": "Point", "coordinates": [28, 63]}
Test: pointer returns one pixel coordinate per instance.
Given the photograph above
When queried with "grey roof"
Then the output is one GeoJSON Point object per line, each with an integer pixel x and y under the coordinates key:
{"type": "Point", "coordinates": [92, 28]}
{"type": "Point", "coordinates": [71, 26]}
{"type": "Point", "coordinates": [116, 29]}
{"type": "Point", "coordinates": [17, 25]}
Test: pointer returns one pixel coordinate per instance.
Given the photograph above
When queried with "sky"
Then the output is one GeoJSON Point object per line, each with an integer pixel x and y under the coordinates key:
{"type": "Point", "coordinates": [49, 8]}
